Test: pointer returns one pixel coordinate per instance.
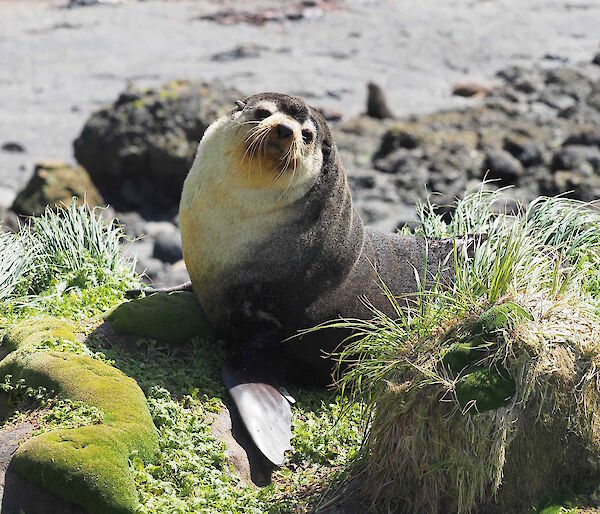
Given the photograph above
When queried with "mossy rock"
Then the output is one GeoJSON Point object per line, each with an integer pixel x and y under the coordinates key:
{"type": "Point", "coordinates": [460, 355]}
{"type": "Point", "coordinates": [88, 466]}
{"type": "Point", "coordinates": [489, 388]}
{"type": "Point", "coordinates": [55, 183]}
{"type": "Point", "coordinates": [36, 331]}
{"type": "Point", "coordinates": [172, 317]}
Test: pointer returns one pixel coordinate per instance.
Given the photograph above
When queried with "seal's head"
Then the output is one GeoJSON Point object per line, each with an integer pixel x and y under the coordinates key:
{"type": "Point", "coordinates": [270, 142]}
{"type": "Point", "coordinates": [276, 138]}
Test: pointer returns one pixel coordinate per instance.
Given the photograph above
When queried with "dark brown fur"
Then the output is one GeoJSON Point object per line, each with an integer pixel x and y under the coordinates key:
{"type": "Point", "coordinates": [376, 104]}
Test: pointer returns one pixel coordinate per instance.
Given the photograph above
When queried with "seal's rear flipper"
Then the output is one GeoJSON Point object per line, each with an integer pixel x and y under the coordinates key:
{"type": "Point", "coordinates": [265, 413]}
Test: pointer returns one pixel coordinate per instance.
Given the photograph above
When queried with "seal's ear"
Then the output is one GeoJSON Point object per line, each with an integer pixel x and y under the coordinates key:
{"type": "Point", "coordinates": [240, 105]}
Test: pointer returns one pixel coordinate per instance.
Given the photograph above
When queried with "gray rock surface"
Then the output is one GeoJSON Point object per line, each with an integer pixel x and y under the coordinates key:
{"type": "Point", "coordinates": [538, 130]}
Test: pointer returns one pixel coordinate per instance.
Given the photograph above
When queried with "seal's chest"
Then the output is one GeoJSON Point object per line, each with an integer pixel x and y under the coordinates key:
{"type": "Point", "coordinates": [220, 234]}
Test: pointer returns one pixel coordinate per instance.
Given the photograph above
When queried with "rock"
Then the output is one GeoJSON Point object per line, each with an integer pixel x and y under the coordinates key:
{"type": "Point", "coordinates": [150, 267]}
{"type": "Point", "coordinates": [399, 136]}
{"type": "Point", "coordinates": [330, 114]}
{"type": "Point", "coordinates": [172, 275]}
{"type": "Point", "coordinates": [9, 221]}
{"type": "Point", "coordinates": [13, 147]}
{"type": "Point", "coordinates": [7, 197]}
{"type": "Point", "coordinates": [574, 157]}
{"type": "Point", "coordinates": [246, 51]}
{"type": "Point", "coordinates": [522, 80]}
{"type": "Point", "coordinates": [89, 465]}
{"type": "Point", "coordinates": [54, 183]}
{"type": "Point", "coordinates": [469, 89]}
{"type": "Point", "coordinates": [502, 166]}
{"type": "Point", "coordinates": [132, 222]}
{"type": "Point", "coordinates": [154, 228]}
{"type": "Point", "coordinates": [560, 102]}
{"type": "Point", "coordinates": [139, 149]}
{"type": "Point", "coordinates": [167, 246]}
{"type": "Point", "coordinates": [357, 140]}
{"type": "Point", "coordinates": [596, 59]}
{"type": "Point", "coordinates": [376, 104]}
{"type": "Point", "coordinates": [587, 135]}
{"type": "Point", "coordinates": [408, 166]}
{"type": "Point", "coordinates": [174, 317]}
{"type": "Point", "coordinates": [527, 151]}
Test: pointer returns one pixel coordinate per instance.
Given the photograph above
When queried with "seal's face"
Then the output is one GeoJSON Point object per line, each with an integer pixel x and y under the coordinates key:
{"type": "Point", "coordinates": [274, 142]}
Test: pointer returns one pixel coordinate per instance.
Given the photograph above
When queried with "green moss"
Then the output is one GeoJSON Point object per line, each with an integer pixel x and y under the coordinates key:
{"type": "Point", "coordinates": [174, 317]}
{"type": "Point", "coordinates": [481, 336]}
{"type": "Point", "coordinates": [34, 332]}
{"type": "Point", "coordinates": [460, 355]}
{"type": "Point", "coordinates": [89, 465]}
{"type": "Point", "coordinates": [489, 388]}
{"type": "Point", "coordinates": [500, 317]}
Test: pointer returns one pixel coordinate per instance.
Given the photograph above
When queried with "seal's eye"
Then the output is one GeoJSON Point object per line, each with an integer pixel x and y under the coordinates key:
{"type": "Point", "coordinates": [262, 113]}
{"type": "Point", "coordinates": [307, 135]}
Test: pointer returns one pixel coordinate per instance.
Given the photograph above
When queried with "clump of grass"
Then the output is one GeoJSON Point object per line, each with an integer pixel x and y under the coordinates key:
{"type": "Point", "coordinates": [522, 407]}
{"type": "Point", "coordinates": [15, 265]}
{"type": "Point", "coordinates": [66, 261]}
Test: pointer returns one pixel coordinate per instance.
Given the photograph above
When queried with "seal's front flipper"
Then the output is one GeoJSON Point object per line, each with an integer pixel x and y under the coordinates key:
{"type": "Point", "coordinates": [264, 411]}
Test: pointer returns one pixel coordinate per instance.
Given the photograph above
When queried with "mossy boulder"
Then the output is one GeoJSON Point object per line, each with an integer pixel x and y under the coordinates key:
{"type": "Point", "coordinates": [172, 317]}
{"type": "Point", "coordinates": [506, 428]}
{"type": "Point", "coordinates": [36, 331]}
{"type": "Point", "coordinates": [55, 183]}
{"type": "Point", "coordinates": [88, 466]}
{"type": "Point", "coordinates": [139, 149]}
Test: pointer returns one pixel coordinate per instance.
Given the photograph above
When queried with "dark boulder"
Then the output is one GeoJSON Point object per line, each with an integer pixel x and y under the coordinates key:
{"type": "Point", "coordinates": [139, 149]}
{"type": "Point", "coordinates": [501, 165]}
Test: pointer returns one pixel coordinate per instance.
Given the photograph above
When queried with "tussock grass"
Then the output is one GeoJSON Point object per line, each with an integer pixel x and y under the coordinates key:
{"type": "Point", "coordinates": [486, 390]}
{"type": "Point", "coordinates": [63, 260]}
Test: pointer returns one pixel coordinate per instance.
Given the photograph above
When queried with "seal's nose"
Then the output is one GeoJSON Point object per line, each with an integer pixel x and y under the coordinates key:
{"type": "Point", "coordinates": [284, 131]}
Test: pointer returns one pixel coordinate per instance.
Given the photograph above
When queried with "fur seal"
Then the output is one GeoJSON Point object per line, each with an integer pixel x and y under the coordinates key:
{"type": "Point", "coordinates": [376, 103]}
{"type": "Point", "coordinates": [273, 246]}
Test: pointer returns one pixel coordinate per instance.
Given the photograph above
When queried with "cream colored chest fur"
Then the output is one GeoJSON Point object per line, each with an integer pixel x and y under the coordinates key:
{"type": "Point", "coordinates": [220, 221]}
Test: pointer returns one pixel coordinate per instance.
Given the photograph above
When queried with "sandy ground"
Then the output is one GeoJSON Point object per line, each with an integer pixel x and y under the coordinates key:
{"type": "Point", "coordinates": [58, 65]}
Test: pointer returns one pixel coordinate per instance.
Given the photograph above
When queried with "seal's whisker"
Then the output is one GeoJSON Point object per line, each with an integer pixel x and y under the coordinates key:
{"type": "Point", "coordinates": [291, 180]}
{"type": "Point", "coordinates": [286, 160]}
{"type": "Point", "coordinates": [255, 131]}
{"type": "Point", "coordinates": [253, 138]}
